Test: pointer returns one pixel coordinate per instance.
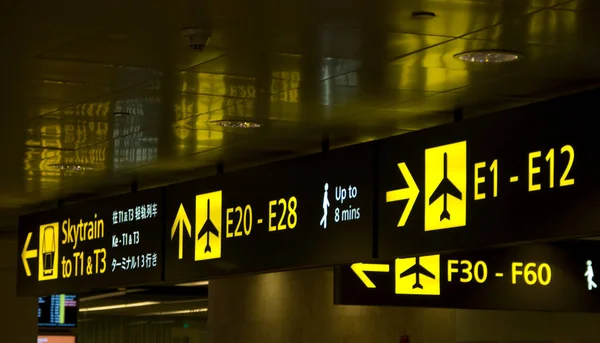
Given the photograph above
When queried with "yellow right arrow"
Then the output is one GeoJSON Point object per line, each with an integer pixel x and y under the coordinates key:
{"type": "Point", "coordinates": [27, 254]}
{"type": "Point", "coordinates": [409, 193]}
{"type": "Point", "coordinates": [360, 269]}
{"type": "Point", "coordinates": [181, 220]}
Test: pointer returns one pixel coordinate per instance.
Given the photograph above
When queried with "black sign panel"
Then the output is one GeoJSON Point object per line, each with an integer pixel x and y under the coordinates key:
{"type": "Point", "coordinates": [102, 244]}
{"type": "Point", "coordinates": [544, 277]}
{"type": "Point", "coordinates": [310, 211]}
{"type": "Point", "coordinates": [522, 175]}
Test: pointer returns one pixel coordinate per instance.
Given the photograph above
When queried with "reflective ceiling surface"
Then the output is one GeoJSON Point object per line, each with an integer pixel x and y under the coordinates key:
{"type": "Point", "coordinates": [351, 70]}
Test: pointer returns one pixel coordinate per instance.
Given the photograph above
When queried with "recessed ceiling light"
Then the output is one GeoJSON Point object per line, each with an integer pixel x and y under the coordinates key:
{"type": "Point", "coordinates": [423, 15]}
{"type": "Point", "coordinates": [488, 56]}
{"type": "Point", "coordinates": [240, 124]}
{"type": "Point", "coordinates": [70, 166]}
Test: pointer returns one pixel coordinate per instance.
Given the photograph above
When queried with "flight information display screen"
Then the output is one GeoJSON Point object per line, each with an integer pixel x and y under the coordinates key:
{"type": "Point", "coordinates": [58, 310]}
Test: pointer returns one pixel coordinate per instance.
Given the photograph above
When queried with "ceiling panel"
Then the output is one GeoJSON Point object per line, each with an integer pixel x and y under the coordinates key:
{"type": "Point", "coordinates": [141, 104]}
{"type": "Point", "coordinates": [431, 79]}
{"type": "Point", "coordinates": [335, 98]}
{"type": "Point", "coordinates": [581, 5]}
{"type": "Point", "coordinates": [188, 105]}
{"type": "Point", "coordinates": [548, 27]}
{"type": "Point", "coordinates": [64, 91]}
{"type": "Point", "coordinates": [442, 56]}
{"type": "Point", "coordinates": [402, 44]}
{"type": "Point", "coordinates": [351, 70]}
{"type": "Point", "coordinates": [390, 122]}
{"type": "Point", "coordinates": [66, 134]}
{"type": "Point", "coordinates": [36, 107]}
{"type": "Point", "coordinates": [520, 86]}
{"type": "Point", "coordinates": [472, 102]}
{"type": "Point", "coordinates": [281, 67]}
{"type": "Point", "coordinates": [98, 74]}
{"type": "Point", "coordinates": [134, 148]}
{"type": "Point", "coordinates": [142, 49]}
{"type": "Point", "coordinates": [453, 18]}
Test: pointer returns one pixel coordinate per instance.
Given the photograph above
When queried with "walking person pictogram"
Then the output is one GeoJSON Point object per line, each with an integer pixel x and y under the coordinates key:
{"type": "Point", "coordinates": [325, 206]}
{"type": "Point", "coordinates": [590, 276]}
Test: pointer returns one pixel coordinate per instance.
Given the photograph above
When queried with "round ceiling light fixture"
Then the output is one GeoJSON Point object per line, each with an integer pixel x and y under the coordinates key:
{"type": "Point", "coordinates": [422, 15]}
{"type": "Point", "coordinates": [237, 124]}
{"type": "Point", "coordinates": [488, 56]}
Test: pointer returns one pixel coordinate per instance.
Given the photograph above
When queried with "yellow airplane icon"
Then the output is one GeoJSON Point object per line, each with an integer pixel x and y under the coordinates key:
{"type": "Point", "coordinates": [208, 237]}
{"type": "Point", "coordinates": [426, 272]}
{"type": "Point", "coordinates": [208, 228]}
{"type": "Point", "coordinates": [445, 186]}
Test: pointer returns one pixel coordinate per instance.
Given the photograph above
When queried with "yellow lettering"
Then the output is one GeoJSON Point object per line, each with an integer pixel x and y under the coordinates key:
{"type": "Point", "coordinates": [90, 231]}
{"type": "Point", "coordinates": [544, 267]}
{"type": "Point", "coordinates": [563, 179]}
{"type": "Point", "coordinates": [452, 269]}
{"type": "Point", "coordinates": [228, 233]}
{"type": "Point", "coordinates": [247, 220]}
{"type": "Point", "coordinates": [83, 231]}
{"type": "Point", "coordinates": [238, 210]}
{"type": "Point", "coordinates": [64, 223]}
{"type": "Point", "coordinates": [480, 271]}
{"type": "Point", "coordinates": [533, 170]}
{"type": "Point", "coordinates": [532, 273]}
{"type": "Point", "coordinates": [100, 228]}
{"type": "Point", "coordinates": [469, 267]}
{"type": "Point", "coordinates": [494, 170]}
{"type": "Point", "coordinates": [272, 215]}
{"type": "Point", "coordinates": [96, 251]}
{"type": "Point", "coordinates": [282, 203]}
{"type": "Point", "coordinates": [515, 271]}
{"type": "Point", "coordinates": [102, 259]}
{"type": "Point", "coordinates": [479, 180]}
{"type": "Point", "coordinates": [550, 160]}
{"type": "Point", "coordinates": [529, 275]}
{"type": "Point", "coordinates": [292, 216]}
{"type": "Point", "coordinates": [76, 258]}
{"type": "Point", "coordinates": [79, 234]}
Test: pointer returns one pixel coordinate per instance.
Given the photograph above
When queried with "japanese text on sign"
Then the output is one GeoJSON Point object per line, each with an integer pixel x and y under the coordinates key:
{"type": "Point", "coordinates": [135, 262]}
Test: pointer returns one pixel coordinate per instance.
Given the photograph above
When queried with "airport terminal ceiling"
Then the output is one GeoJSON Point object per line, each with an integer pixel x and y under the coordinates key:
{"type": "Point", "coordinates": [96, 96]}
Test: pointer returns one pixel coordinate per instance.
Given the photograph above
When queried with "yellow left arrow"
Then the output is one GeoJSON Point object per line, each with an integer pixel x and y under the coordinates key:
{"type": "Point", "coordinates": [360, 269]}
{"type": "Point", "coordinates": [27, 254]}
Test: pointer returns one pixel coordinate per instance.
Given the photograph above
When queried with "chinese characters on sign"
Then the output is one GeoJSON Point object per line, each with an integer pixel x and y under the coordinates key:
{"type": "Point", "coordinates": [140, 212]}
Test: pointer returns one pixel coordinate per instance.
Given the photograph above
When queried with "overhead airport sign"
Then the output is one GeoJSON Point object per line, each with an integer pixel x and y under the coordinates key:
{"type": "Point", "coordinates": [522, 175]}
{"type": "Point", "coordinates": [311, 211]}
{"type": "Point", "coordinates": [101, 244]}
{"type": "Point", "coordinates": [544, 277]}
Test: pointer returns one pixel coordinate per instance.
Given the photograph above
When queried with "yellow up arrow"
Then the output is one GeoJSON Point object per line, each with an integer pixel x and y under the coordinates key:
{"type": "Point", "coordinates": [360, 269]}
{"type": "Point", "coordinates": [27, 254]}
{"type": "Point", "coordinates": [411, 193]}
{"type": "Point", "coordinates": [181, 220]}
